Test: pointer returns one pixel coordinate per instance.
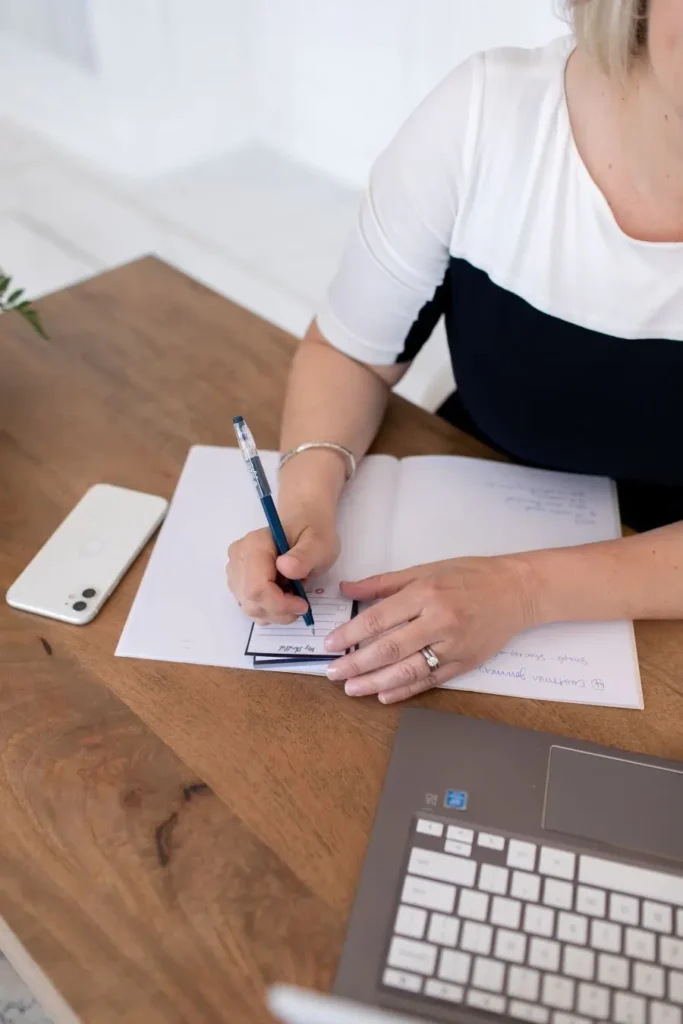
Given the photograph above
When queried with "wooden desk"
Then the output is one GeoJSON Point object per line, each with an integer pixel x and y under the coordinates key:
{"type": "Point", "coordinates": [174, 838]}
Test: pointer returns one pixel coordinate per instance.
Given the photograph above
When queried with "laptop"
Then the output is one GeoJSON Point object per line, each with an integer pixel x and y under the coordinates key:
{"type": "Point", "coordinates": [515, 875]}
{"type": "Point", "coordinates": [292, 1005]}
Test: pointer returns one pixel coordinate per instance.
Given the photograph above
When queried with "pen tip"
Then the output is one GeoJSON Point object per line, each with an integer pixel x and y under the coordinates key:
{"type": "Point", "coordinates": [237, 420]}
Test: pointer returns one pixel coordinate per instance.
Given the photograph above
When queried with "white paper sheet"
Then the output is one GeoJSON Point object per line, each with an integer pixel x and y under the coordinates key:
{"type": "Point", "coordinates": [393, 515]}
{"type": "Point", "coordinates": [183, 611]}
{"type": "Point", "coordinates": [491, 508]}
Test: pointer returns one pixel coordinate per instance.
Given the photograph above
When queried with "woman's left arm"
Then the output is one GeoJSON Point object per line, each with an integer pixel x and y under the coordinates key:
{"type": "Point", "coordinates": [466, 609]}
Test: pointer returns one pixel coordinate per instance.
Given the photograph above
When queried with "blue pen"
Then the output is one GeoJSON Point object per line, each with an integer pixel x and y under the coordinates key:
{"type": "Point", "coordinates": [255, 467]}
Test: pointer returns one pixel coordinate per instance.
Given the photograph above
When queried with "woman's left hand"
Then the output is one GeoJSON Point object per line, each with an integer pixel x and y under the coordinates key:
{"type": "Point", "coordinates": [465, 609]}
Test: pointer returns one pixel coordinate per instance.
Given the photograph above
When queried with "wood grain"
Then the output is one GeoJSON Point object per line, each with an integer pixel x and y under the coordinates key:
{"type": "Point", "coordinates": [174, 838]}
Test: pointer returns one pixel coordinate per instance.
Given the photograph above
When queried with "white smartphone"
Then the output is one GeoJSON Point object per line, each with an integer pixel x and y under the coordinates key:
{"type": "Point", "coordinates": [74, 573]}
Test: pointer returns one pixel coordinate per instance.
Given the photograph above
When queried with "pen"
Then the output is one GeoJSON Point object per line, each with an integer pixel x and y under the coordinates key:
{"type": "Point", "coordinates": [257, 473]}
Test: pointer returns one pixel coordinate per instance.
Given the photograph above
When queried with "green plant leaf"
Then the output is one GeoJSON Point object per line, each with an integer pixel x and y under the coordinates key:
{"type": "Point", "coordinates": [15, 296]}
{"type": "Point", "coordinates": [4, 284]}
{"type": "Point", "coordinates": [32, 318]}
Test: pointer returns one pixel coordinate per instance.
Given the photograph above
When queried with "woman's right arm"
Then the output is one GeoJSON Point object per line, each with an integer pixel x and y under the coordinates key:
{"type": "Point", "coordinates": [362, 341]}
{"type": "Point", "coordinates": [330, 397]}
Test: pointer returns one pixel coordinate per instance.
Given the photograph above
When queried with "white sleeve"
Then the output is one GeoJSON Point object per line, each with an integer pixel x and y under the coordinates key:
{"type": "Point", "coordinates": [398, 253]}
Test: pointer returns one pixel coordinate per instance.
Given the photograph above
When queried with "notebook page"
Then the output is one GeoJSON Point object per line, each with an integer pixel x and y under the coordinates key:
{"type": "Point", "coordinates": [450, 507]}
{"type": "Point", "coordinates": [183, 611]}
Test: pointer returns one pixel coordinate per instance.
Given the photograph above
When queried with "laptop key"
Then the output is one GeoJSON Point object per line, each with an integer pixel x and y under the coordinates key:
{"type": "Point", "coordinates": [639, 945]}
{"type": "Point", "coordinates": [624, 909]}
{"type": "Point", "coordinates": [539, 920]}
{"type": "Point", "coordinates": [524, 982]}
{"type": "Point", "coordinates": [473, 905]}
{"type": "Point", "coordinates": [430, 828]}
{"type": "Point", "coordinates": [488, 974]}
{"type": "Point", "coordinates": [493, 879]}
{"type": "Point", "coordinates": [558, 894]}
{"type": "Point", "coordinates": [462, 835]}
{"type": "Point", "coordinates": [431, 895]}
{"type": "Point", "coordinates": [606, 936]}
{"type": "Point", "coordinates": [613, 970]}
{"type": "Point", "coordinates": [528, 1012]}
{"type": "Point", "coordinates": [591, 901]}
{"type": "Point", "coordinates": [441, 866]}
{"type": "Point", "coordinates": [410, 955]}
{"type": "Point", "coordinates": [444, 990]}
{"type": "Point", "coordinates": [558, 992]}
{"type": "Point", "coordinates": [485, 1001]}
{"type": "Point", "coordinates": [521, 855]}
{"type": "Point", "coordinates": [579, 962]}
{"type": "Point", "coordinates": [594, 1001]}
{"type": "Point", "coordinates": [510, 946]}
{"type": "Point", "coordinates": [545, 954]}
{"type": "Point", "coordinates": [444, 930]}
{"type": "Point", "coordinates": [675, 987]}
{"type": "Point", "coordinates": [490, 841]}
{"type": "Point", "coordinates": [402, 979]}
{"type": "Point", "coordinates": [657, 917]}
{"type": "Point", "coordinates": [505, 912]}
{"type": "Point", "coordinates": [634, 881]}
{"type": "Point", "coordinates": [410, 921]}
{"type": "Point", "coordinates": [558, 863]}
{"type": "Point", "coordinates": [572, 928]}
{"type": "Point", "coordinates": [649, 980]}
{"type": "Point", "coordinates": [665, 1013]}
{"type": "Point", "coordinates": [628, 1009]}
{"type": "Point", "coordinates": [476, 938]}
{"type": "Point", "coordinates": [525, 886]}
{"type": "Point", "coordinates": [671, 952]}
{"type": "Point", "coordinates": [454, 966]}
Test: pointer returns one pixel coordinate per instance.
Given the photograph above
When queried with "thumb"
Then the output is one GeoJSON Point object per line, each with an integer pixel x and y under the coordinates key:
{"type": "Point", "coordinates": [312, 552]}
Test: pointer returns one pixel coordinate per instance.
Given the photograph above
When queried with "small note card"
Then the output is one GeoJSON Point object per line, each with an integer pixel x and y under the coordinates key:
{"type": "Point", "coordinates": [298, 641]}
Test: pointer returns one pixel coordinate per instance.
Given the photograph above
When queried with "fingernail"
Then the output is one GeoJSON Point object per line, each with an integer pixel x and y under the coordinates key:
{"type": "Point", "coordinates": [334, 673]}
{"type": "Point", "coordinates": [330, 644]}
{"type": "Point", "coordinates": [353, 690]}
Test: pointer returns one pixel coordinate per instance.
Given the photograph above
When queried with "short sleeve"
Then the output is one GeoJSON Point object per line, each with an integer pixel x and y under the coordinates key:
{"type": "Point", "coordinates": [398, 254]}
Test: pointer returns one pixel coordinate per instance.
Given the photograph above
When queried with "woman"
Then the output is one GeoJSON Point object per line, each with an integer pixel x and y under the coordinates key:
{"type": "Point", "coordinates": [535, 198]}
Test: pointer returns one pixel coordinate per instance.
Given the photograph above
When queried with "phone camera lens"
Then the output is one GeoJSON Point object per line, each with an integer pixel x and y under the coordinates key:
{"type": "Point", "coordinates": [79, 606]}
{"type": "Point", "coordinates": [89, 592]}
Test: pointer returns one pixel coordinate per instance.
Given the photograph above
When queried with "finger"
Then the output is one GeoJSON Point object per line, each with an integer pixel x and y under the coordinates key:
{"type": "Point", "coordinates": [444, 674]}
{"type": "Point", "coordinates": [385, 650]}
{"type": "Point", "coordinates": [273, 602]}
{"type": "Point", "coordinates": [411, 672]}
{"type": "Point", "coordinates": [311, 551]}
{"type": "Point", "coordinates": [375, 587]}
{"type": "Point", "coordinates": [380, 618]}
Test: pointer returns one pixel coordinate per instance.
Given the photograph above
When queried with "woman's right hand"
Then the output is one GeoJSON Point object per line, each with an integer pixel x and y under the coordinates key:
{"type": "Point", "coordinates": [254, 566]}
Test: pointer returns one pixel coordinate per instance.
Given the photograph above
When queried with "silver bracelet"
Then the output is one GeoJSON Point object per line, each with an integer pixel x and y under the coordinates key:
{"type": "Point", "coordinates": [309, 445]}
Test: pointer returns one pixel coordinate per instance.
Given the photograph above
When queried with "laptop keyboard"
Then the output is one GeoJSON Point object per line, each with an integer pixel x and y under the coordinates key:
{"type": "Point", "coordinates": [534, 932]}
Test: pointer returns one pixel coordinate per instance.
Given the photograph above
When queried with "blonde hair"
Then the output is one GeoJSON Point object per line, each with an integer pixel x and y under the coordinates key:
{"type": "Point", "coordinates": [613, 32]}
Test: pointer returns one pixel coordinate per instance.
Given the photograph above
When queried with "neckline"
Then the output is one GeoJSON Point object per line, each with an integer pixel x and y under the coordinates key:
{"type": "Point", "coordinates": [598, 195]}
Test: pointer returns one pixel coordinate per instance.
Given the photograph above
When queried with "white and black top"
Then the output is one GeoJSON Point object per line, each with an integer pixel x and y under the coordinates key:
{"type": "Point", "coordinates": [566, 335]}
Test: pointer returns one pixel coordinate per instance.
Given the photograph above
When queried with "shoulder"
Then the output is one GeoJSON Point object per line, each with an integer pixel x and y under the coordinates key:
{"type": "Point", "coordinates": [516, 82]}
{"type": "Point", "coordinates": [491, 93]}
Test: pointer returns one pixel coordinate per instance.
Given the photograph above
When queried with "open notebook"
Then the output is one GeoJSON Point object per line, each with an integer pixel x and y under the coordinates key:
{"type": "Point", "coordinates": [394, 514]}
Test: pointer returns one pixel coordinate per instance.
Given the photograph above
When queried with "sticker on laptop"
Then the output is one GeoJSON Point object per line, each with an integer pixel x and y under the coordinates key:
{"type": "Point", "coordinates": [456, 799]}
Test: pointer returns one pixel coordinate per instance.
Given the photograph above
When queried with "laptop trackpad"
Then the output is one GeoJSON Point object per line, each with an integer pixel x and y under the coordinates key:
{"type": "Point", "coordinates": [613, 800]}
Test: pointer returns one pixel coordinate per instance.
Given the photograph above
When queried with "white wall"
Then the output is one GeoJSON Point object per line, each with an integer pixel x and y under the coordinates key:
{"type": "Point", "coordinates": [337, 79]}
{"type": "Point", "coordinates": [59, 27]}
{"type": "Point", "coordinates": [145, 86]}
